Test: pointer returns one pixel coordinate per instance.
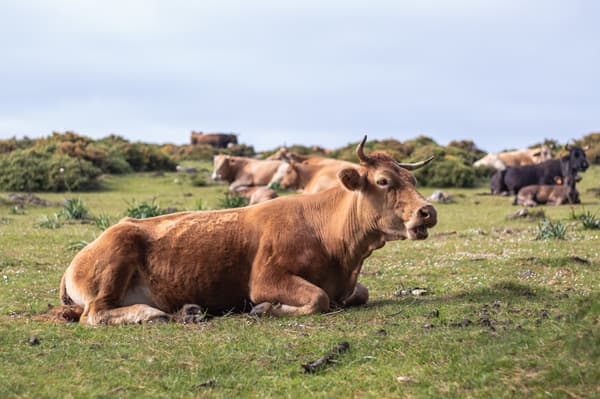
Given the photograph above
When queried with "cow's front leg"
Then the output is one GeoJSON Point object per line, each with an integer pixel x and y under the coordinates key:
{"type": "Point", "coordinates": [359, 296]}
{"type": "Point", "coordinates": [287, 295]}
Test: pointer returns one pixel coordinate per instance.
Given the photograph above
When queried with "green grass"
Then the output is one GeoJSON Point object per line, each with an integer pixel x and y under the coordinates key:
{"type": "Point", "coordinates": [533, 311]}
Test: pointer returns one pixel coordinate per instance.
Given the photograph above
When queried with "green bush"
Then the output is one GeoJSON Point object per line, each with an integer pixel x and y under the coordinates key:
{"type": "Point", "coordinates": [40, 170]}
{"type": "Point", "coordinates": [232, 200]}
{"type": "Point", "coordinates": [145, 209]}
{"type": "Point", "coordinates": [75, 209]}
{"type": "Point", "coordinates": [446, 173]}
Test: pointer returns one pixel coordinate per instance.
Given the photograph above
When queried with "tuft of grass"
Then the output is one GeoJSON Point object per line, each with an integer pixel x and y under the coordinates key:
{"type": "Point", "coordinates": [231, 200]}
{"type": "Point", "coordinates": [587, 218]}
{"type": "Point", "coordinates": [549, 230]}
{"type": "Point", "coordinates": [50, 222]}
{"type": "Point", "coordinates": [103, 221]}
{"type": "Point", "coordinates": [78, 245]}
{"type": "Point", "coordinates": [17, 210]}
{"type": "Point", "coordinates": [75, 209]}
{"type": "Point", "coordinates": [144, 209]}
{"type": "Point", "coordinates": [201, 205]}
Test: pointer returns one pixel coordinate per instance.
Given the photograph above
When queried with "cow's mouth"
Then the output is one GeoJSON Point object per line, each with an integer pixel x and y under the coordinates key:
{"type": "Point", "coordinates": [417, 233]}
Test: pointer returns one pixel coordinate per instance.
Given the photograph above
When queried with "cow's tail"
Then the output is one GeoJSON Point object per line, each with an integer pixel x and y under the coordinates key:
{"type": "Point", "coordinates": [68, 311]}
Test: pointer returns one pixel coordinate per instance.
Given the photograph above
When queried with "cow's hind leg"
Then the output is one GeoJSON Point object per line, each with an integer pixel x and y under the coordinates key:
{"type": "Point", "coordinates": [289, 295]}
{"type": "Point", "coordinates": [119, 292]}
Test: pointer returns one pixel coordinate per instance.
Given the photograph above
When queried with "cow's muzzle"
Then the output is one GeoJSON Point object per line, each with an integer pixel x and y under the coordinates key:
{"type": "Point", "coordinates": [424, 218]}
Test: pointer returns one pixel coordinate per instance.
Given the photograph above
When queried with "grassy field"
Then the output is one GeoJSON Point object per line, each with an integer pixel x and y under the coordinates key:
{"type": "Point", "coordinates": [503, 315]}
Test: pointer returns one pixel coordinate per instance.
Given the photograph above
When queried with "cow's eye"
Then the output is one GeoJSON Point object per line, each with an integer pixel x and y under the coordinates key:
{"type": "Point", "coordinates": [382, 182]}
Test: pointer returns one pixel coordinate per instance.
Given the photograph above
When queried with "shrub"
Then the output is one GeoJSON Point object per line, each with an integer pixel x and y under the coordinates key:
{"type": "Point", "coordinates": [50, 222]}
{"type": "Point", "coordinates": [232, 200]}
{"type": "Point", "coordinates": [103, 222]}
{"type": "Point", "coordinates": [144, 209]}
{"type": "Point", "coordinates": [446, 173]}
{"type": "Point", "coordinates": [40, 170]}
{"type": "Point", "coordinates": [75, 209]}
{"type": "Point", "coordinates": [551, 230]}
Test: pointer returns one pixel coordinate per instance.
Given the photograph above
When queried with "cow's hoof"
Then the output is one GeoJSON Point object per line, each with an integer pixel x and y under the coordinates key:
{"type": "Point", "coordinates": [262, 309]}
{"type": "Point", "coordinates": [160, 319]}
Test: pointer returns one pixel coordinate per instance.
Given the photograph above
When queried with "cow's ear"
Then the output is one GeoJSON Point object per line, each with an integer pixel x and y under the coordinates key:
{"type": "Point", "coordinates": [351, 179]}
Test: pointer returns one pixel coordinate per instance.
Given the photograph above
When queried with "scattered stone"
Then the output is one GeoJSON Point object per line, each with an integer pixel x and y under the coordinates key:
{"type": "Point", "coordinates": [527, 214]}
{"type": "Point", "coordinates": [404, 379]}
{"type": "Point", "coordinates": [21, 199]}
{"type": "Point", "coordinates": [496, 304]}
{"type": "Point", "coordinates": [381, 332]}
{"type": "Point", "coordinates": [33, 341]}
{"type": "Point", "coordinates": [440, 196]}
{"type": "Point", "coordinates": [578, 259]}
{"type": "Point", "coordinates": [95, 346]}
{"type": "Point", "coordinates": [411, 291]}
{"type": "Point", "coordinates": [428, 325]}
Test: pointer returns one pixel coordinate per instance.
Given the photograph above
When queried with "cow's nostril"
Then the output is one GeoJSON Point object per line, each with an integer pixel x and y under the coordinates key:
{"type": "Point", "coordinates": [424, 213]}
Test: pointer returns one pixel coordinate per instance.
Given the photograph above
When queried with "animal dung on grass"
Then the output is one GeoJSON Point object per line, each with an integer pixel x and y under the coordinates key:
{"type": "Point", "coordinates": [329, 358]}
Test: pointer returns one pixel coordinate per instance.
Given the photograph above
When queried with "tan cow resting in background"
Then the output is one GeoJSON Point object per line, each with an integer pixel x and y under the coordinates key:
{"type": "Point", "coordinates": [240, 171]}
{"type": "Point", "coordinates": [504, 160]}
{"type": "Point", "coordinates": [293, 255]}
{"type": "Point", "coordinates": [315, 174]}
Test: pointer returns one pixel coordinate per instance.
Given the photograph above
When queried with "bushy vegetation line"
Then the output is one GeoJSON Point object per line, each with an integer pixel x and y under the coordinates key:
{"type": "Point", "coordinates": [72, 162]}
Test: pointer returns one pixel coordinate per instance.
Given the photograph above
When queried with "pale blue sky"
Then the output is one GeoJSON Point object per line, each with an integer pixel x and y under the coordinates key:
{"type": "Point", "coordinates": [502, 73]}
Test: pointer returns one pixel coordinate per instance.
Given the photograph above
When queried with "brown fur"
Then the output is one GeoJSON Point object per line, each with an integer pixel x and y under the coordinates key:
{"type": "Point", "coordinates": [293, 255]}
{"type": "Point", "coordinates": [256, 195]}
{"type": "Point", "coordinates": [537, 194]}
{"type": "Point", "coordinates": [241, 171]}
{"type": "Point", "coordinates": [314, 174]}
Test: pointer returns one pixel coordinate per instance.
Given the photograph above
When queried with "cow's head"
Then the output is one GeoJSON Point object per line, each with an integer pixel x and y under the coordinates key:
{"type": "Point", "coordinates": [388, 197]}
{"type": "Point", "coordinates": [232, 139]}
{"type": "Point", "coordinates": [223, 167]}
{"type": "Point", "coordinates": [291, 177]}
{"type": "Point", "coordinates": [576, 158]}
{"type": "Point", "coordinates": [542, 154]}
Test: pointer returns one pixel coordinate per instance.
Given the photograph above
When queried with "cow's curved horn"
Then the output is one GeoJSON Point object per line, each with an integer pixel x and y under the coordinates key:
{"type": "Point", "coordinates": [360, 152]}
{"type": "Point", "coordinates": [416, 165]}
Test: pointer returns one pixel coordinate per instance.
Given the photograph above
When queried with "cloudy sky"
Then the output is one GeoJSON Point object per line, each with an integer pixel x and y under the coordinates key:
{"type": "Point", "coordinates": [505, 73]}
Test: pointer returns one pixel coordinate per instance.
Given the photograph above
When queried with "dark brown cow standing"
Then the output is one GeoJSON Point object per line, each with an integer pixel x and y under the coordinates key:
{"type": "Point", "coordinates": [293, 255]}
{"type": "Point", "coordinates": [219, 140]}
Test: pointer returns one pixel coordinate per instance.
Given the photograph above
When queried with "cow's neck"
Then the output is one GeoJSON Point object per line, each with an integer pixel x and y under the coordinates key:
{"type": "Point", "coordinates": [305, 173]}
{"type": "Point", "coordinates": [347, 227]}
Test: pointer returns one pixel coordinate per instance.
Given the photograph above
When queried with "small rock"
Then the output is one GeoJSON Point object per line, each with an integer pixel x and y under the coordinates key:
{"type": "Point", "coordinates": [404, 379]}
{"type": "Point", "coordinates": [428, 325]}
{"type": "Point", "coordinates": [206, 384]}
{"type": "Point", "coordinates": [34, 341]}
{"type": "Point", "coordinates": [381, 332]}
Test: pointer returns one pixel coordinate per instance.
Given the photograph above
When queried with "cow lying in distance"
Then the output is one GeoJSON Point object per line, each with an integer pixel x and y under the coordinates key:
{"type": "Point", "coordinates": [504, 160]}
{"type": "Point", "coordinates": [539, 194]}
{"type": "Point", "coordinates": [314, 174]}
{"type": "Point", "coordinates": [240, 171]}
{"type": "Point", "coordinates": [293, 255]}
{"type": "Point", "coordinates": [544, 173]}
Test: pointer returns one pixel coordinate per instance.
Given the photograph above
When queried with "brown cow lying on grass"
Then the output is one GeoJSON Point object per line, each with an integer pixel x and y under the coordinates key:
{"type": "Point", "coordinates": [241, 171]}
{"type": "Point", "coordinates": [503, 160]}
{"type": "Point", "coordinates": [539, 194]}
{"type": "Point", "coordinates": [293, 255]}
{"type": "Point", "coordinates": [315, 174]}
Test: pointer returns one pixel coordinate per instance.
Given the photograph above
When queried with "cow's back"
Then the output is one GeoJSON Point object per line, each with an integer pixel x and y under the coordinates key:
{"type": "Point", "coordinates": [543, 173]}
